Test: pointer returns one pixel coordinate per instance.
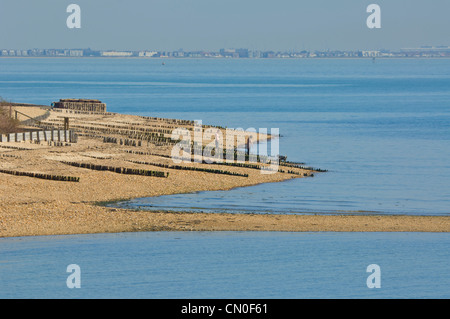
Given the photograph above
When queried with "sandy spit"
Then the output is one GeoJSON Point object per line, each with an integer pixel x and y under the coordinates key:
{"type": "Point", "coordinates": [32, 206]}
{"type": "Point", "coordinates": [59, 218]}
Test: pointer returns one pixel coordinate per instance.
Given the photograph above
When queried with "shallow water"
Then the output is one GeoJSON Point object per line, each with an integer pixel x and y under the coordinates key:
{"type": "Point", "coordinates": [377, 164]}
{"type": "Point", "coordinates": [381, 129]}
{"type": "Point", "coordinates": [227, 265]}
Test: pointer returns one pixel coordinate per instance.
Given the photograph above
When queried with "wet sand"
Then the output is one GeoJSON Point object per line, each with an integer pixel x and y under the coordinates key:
{"type": "Point", "coordinates": [59, 218]}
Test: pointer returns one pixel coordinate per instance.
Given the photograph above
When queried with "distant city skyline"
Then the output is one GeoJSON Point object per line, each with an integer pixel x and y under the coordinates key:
{"type": "Point", "coordinates": [424, 51]}
{"type": "Point", "coordinates": [167, 25]}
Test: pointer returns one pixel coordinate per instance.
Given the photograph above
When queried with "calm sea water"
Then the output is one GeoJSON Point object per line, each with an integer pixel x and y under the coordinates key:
{"type": "Point", "coordinates": [381, 129]}
{"type": "Point", "coordinates": [226, 265]}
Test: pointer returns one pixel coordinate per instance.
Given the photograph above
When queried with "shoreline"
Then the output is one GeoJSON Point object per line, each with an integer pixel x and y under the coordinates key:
{"type": "Point", "coordinates": [31, 206]}
{"type": "Point", "coordinates": [42, 219]}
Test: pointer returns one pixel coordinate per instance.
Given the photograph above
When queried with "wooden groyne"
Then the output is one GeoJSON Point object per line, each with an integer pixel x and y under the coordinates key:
{"type": "Point", "coordinates": [40, 136]}
{"type": "Point", "coordinates": [41, 175]}
{"type": "Point", "coordinates": [118, 170]}
{"type": "Point", "coordinates": [189, 168]}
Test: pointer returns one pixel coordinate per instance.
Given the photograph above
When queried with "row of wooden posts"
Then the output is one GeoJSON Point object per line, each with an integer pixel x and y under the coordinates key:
{"type": "Point", "coordinates": [42, 176]}
{"type": "Point", "coordinates": [49, 135]}
{"type": "Point", "coordinates": [119, 170]}
{"type": "Point", "coordinates": [190, 168]}
{"type": "Point", "coordinates": [244, 165]}
{"type": "Point", "coordinates": [69, 111]}
{"type": "Point", "coordinates": [225, 163]}
{"type": "Point", "coordinates": [171, 121]}
{"type": "Point", "coordinates": [15, 148]}
{"type": "Point", "coordinates": [126, 141]}
{"type": "Point", "coordinates": [136, 132]}
{"type": "Point", "coordinates": [10, 156]}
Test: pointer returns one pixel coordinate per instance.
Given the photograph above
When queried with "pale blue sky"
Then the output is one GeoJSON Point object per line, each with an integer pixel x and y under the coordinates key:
{"type": "Point", "coordinates": [214, 24]}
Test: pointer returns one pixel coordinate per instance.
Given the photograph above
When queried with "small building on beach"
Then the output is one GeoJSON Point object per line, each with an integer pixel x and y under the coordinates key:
{"type": "Point", "coordinates": [84, 105]}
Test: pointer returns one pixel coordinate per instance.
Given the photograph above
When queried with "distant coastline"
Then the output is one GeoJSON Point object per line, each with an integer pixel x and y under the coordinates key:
{"type": "Point", "coordinates": [242, 53]}
{"type": "Point", "coordinates": [227, 59]}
